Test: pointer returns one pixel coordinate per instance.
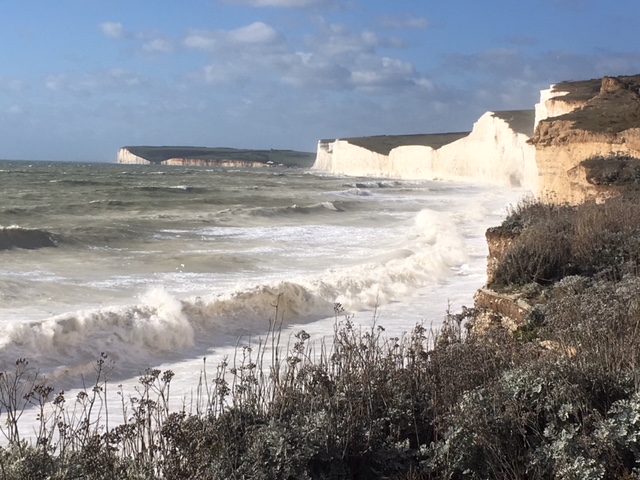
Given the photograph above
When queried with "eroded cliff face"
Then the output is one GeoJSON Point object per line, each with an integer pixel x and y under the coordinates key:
{"type": "Point", "coordinates": [125, 156]}
{"type": "Point", "coordinates": [494, 152]}
{"type": "Point", "coordinates": [579, 121]}
{"type": "Point", "coordinates": [493, 308]}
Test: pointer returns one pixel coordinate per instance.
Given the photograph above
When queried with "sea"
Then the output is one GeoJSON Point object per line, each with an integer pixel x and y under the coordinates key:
{"type": "Point", "coordinates": [164, 266]}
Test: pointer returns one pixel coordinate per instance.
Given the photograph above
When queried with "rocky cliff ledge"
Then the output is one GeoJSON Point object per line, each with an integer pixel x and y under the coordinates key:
{"type": "Point", "coordinates": [496, 151]}
{"type": "Point", "coordinates": [579, 123]}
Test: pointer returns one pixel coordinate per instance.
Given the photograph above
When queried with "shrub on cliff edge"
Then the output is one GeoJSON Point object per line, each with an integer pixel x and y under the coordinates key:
{"type": "Point", "coordinates": [551, 242]}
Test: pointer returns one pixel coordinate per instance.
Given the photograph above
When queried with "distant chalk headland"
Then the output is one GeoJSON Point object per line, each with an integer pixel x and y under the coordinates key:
{"type": "Point", "coordinates": [220, 157]}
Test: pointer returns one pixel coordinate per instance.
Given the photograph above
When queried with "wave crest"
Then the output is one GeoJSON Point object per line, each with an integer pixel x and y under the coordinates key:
{"type": "Point", "coordinates": [28, 238]}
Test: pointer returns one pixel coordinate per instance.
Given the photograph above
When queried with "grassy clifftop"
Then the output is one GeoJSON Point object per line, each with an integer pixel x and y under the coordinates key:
{"type": "Point", "coordinates": [520, 121]}
{"type": "Point", "coordinates": [611, 104]}
{"type": "Point", "coordinates": [288, 158]}
{"type": "Point", "coordinates": [383, 144]}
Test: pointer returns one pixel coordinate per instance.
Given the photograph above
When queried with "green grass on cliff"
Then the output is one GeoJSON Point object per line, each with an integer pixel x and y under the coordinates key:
{"type": "Point", "coordinates": [610, 111]}
{"type": "Point", "coordinates": [520, 120]}
{"type": "Point", "coordinates": [383, 144]}
{"type": "Point", "coordinates": [288, 158]}
{"type": "Point", "coordinates": [579, 91]}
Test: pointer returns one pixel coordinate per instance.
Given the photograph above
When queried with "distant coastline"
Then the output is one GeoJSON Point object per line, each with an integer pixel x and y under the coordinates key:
{"type": "Point", "coordinates": [218, 156]}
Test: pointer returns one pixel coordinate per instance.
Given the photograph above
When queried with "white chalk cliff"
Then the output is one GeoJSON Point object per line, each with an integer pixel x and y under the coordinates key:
{"type": "Point", "coordinates": [125, 156]}
{"type": "Point", "coordinates": [551, 105]}
{"type": "Point", "coordinates": [496, 151]}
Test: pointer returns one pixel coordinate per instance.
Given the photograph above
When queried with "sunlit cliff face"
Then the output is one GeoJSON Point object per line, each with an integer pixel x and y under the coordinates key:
{"type": "Point", "coordinates": [492, 153]}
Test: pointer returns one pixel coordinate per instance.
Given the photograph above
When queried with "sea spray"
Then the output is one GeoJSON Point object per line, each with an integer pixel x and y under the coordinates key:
{"type": "Point", "coordinates": [162, 276]}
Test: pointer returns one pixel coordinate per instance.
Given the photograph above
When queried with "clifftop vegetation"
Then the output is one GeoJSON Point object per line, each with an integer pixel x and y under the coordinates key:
{"type": "Point", "coordinates": [609, 105]}
{"type": "Point", "coordinates": [383, 144]}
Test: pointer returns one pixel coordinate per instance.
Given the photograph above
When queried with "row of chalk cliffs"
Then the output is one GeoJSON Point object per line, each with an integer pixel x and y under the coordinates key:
{"type": "Point", "coordinates": [549, 151]}
{"type": "Point", "coordinates": [541, 150]}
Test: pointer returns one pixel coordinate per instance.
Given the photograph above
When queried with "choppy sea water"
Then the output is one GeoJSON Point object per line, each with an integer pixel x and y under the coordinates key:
{"type": "Point", "coordinates": [162, 266]}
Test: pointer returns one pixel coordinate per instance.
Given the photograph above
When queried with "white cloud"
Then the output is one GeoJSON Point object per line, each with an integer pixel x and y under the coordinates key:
{"type": "Point", "coordinates": [11, 85]}
{"type": "Point", "coordinates": [333, 56]}
{"type": "Point", "coordinates": [113, 30]}
{"type": "Point", "coordinates": [201, 41]}
{"type": "Point", "coordinates": [280, 3]}
{"type": "Point", "coordinates": [14, 110]}
{"type": "Point", "coordinates": [377, 73]}
{"type": "Point", "coordinates": [336, 58]}
{"type": "Point", "coordinates": [255, 34]}
{"type": "Point", "coordinates": [310, 70]}
{"type": "Point", "coordinates": [335, 39]}
{"type": "Point", "coordinates": [159, 45]}
{"type": "Point", "coordinates": [404, 23]}
{"type": "Point", "coordinates": [100, 82]}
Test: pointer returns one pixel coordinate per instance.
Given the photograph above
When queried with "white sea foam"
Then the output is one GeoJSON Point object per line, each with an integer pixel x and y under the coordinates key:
{"type": "Point", "coordinates": [128, 333]}
{"type": "Point", "coordinates": [166, 279]}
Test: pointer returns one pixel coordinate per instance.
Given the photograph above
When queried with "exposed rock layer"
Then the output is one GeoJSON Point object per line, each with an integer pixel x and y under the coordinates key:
{"type": "Point", "coordinates": [583, 120]}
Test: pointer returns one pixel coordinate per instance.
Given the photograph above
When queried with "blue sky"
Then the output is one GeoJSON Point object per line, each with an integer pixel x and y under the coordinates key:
{"type": "Point", "coordinates": [80, 78]}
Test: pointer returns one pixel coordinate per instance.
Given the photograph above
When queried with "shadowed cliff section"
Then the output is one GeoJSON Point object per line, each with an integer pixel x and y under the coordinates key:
{"type": "Point", "coordinates": [207, 156]}
{"type": "Point", "coordinates": [520, 121]}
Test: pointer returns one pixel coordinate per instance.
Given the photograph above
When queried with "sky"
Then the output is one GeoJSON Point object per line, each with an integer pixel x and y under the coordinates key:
{"type": "Point", "coordinates": [81, 78]}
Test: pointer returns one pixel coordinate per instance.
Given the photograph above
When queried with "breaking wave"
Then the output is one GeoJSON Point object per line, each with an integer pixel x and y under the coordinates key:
{"type": "Point", "coordinates": [160, 325]}
{"type": "Point", "coordinates": [15, 236]}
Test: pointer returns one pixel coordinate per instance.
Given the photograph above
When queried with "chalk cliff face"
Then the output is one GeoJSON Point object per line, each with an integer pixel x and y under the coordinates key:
{"type": "Point", "coordinates": [496, 151]}
{"type": "Point", "coordinates": [125, 156]}
{"type": "Point", "coordinates": [579, 121]}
